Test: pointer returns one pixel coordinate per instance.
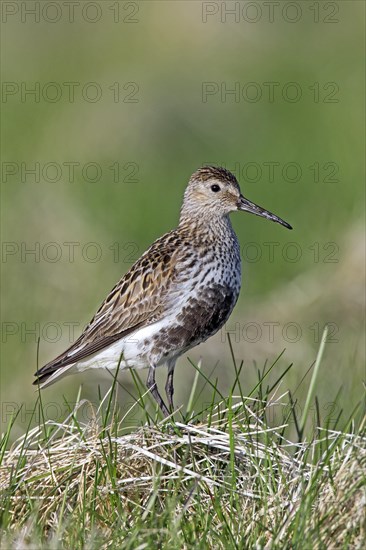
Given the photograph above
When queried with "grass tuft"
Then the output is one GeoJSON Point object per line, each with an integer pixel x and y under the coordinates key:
{"type": "Point", "coordinates": [226, 475]}
{"type": "Point", "coordinates": [234, 482]}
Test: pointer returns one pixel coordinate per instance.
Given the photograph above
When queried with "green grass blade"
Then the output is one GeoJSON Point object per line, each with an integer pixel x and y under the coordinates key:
{"type": "Point", "coordinates": [313, 381]}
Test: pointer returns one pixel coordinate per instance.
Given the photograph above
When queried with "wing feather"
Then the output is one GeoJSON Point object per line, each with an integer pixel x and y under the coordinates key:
{"type": "Point", "coordinates": [141, 297]}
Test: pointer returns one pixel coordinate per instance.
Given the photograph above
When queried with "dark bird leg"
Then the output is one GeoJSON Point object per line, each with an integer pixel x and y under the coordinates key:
{"type": "Point", "coordinates": [169, 388]}
{"type": "Point", "coordinates": [151, 385]}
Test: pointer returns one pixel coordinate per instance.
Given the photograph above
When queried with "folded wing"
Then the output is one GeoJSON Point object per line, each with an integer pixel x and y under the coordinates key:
{"type": "Point", "coordinates": [140, 298]}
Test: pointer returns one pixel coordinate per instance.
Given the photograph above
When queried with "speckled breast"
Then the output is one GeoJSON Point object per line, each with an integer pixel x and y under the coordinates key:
{"type": "Point", "coordinates": [210, 298]}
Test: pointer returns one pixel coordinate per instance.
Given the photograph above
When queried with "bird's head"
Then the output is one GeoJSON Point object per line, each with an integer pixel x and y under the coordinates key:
{"type": "Point", "coordinates": [214, 192]}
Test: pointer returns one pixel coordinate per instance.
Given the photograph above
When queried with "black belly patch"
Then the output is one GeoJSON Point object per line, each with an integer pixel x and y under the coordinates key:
{"type": "Point", "coordinates": [200, 318]}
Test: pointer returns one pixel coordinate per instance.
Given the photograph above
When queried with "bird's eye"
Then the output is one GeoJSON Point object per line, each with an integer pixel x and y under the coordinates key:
{"type": "Point", "coordinates": [215, 188]}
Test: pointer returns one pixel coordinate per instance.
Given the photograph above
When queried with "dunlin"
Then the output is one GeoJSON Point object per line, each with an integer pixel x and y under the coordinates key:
{"type": "Point", "coordinates": [179, 293]}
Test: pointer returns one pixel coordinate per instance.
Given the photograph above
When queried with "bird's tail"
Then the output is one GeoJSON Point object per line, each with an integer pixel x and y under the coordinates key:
{"type": "Point", "coordinates": [47, 377]}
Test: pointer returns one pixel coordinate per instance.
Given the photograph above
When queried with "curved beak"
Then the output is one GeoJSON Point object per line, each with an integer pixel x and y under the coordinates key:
{"type": "Point", "coordinates": [247, 206]}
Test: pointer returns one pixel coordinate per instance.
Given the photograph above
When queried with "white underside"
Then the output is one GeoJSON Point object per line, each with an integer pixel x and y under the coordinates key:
{"type": "Point", "coordinates": [128, 352]}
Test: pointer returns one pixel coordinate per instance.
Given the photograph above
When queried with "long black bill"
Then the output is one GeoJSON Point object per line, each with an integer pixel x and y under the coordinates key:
{"type": "Point", "coordinates": [247, 206]}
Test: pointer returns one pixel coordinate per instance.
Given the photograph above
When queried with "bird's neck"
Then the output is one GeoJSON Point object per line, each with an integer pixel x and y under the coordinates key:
{"type": "Point", "coordinates": [217, 227]}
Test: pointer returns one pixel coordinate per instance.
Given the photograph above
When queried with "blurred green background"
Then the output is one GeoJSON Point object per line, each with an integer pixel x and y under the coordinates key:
{"type": "Point", "coordinates": [136, 101]}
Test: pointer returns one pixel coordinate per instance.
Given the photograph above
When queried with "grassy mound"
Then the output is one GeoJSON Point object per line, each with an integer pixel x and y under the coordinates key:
{"type": "Point", "coordinates": [229, 476]}
{"type": "Point", "coordinates": [229, 482]}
